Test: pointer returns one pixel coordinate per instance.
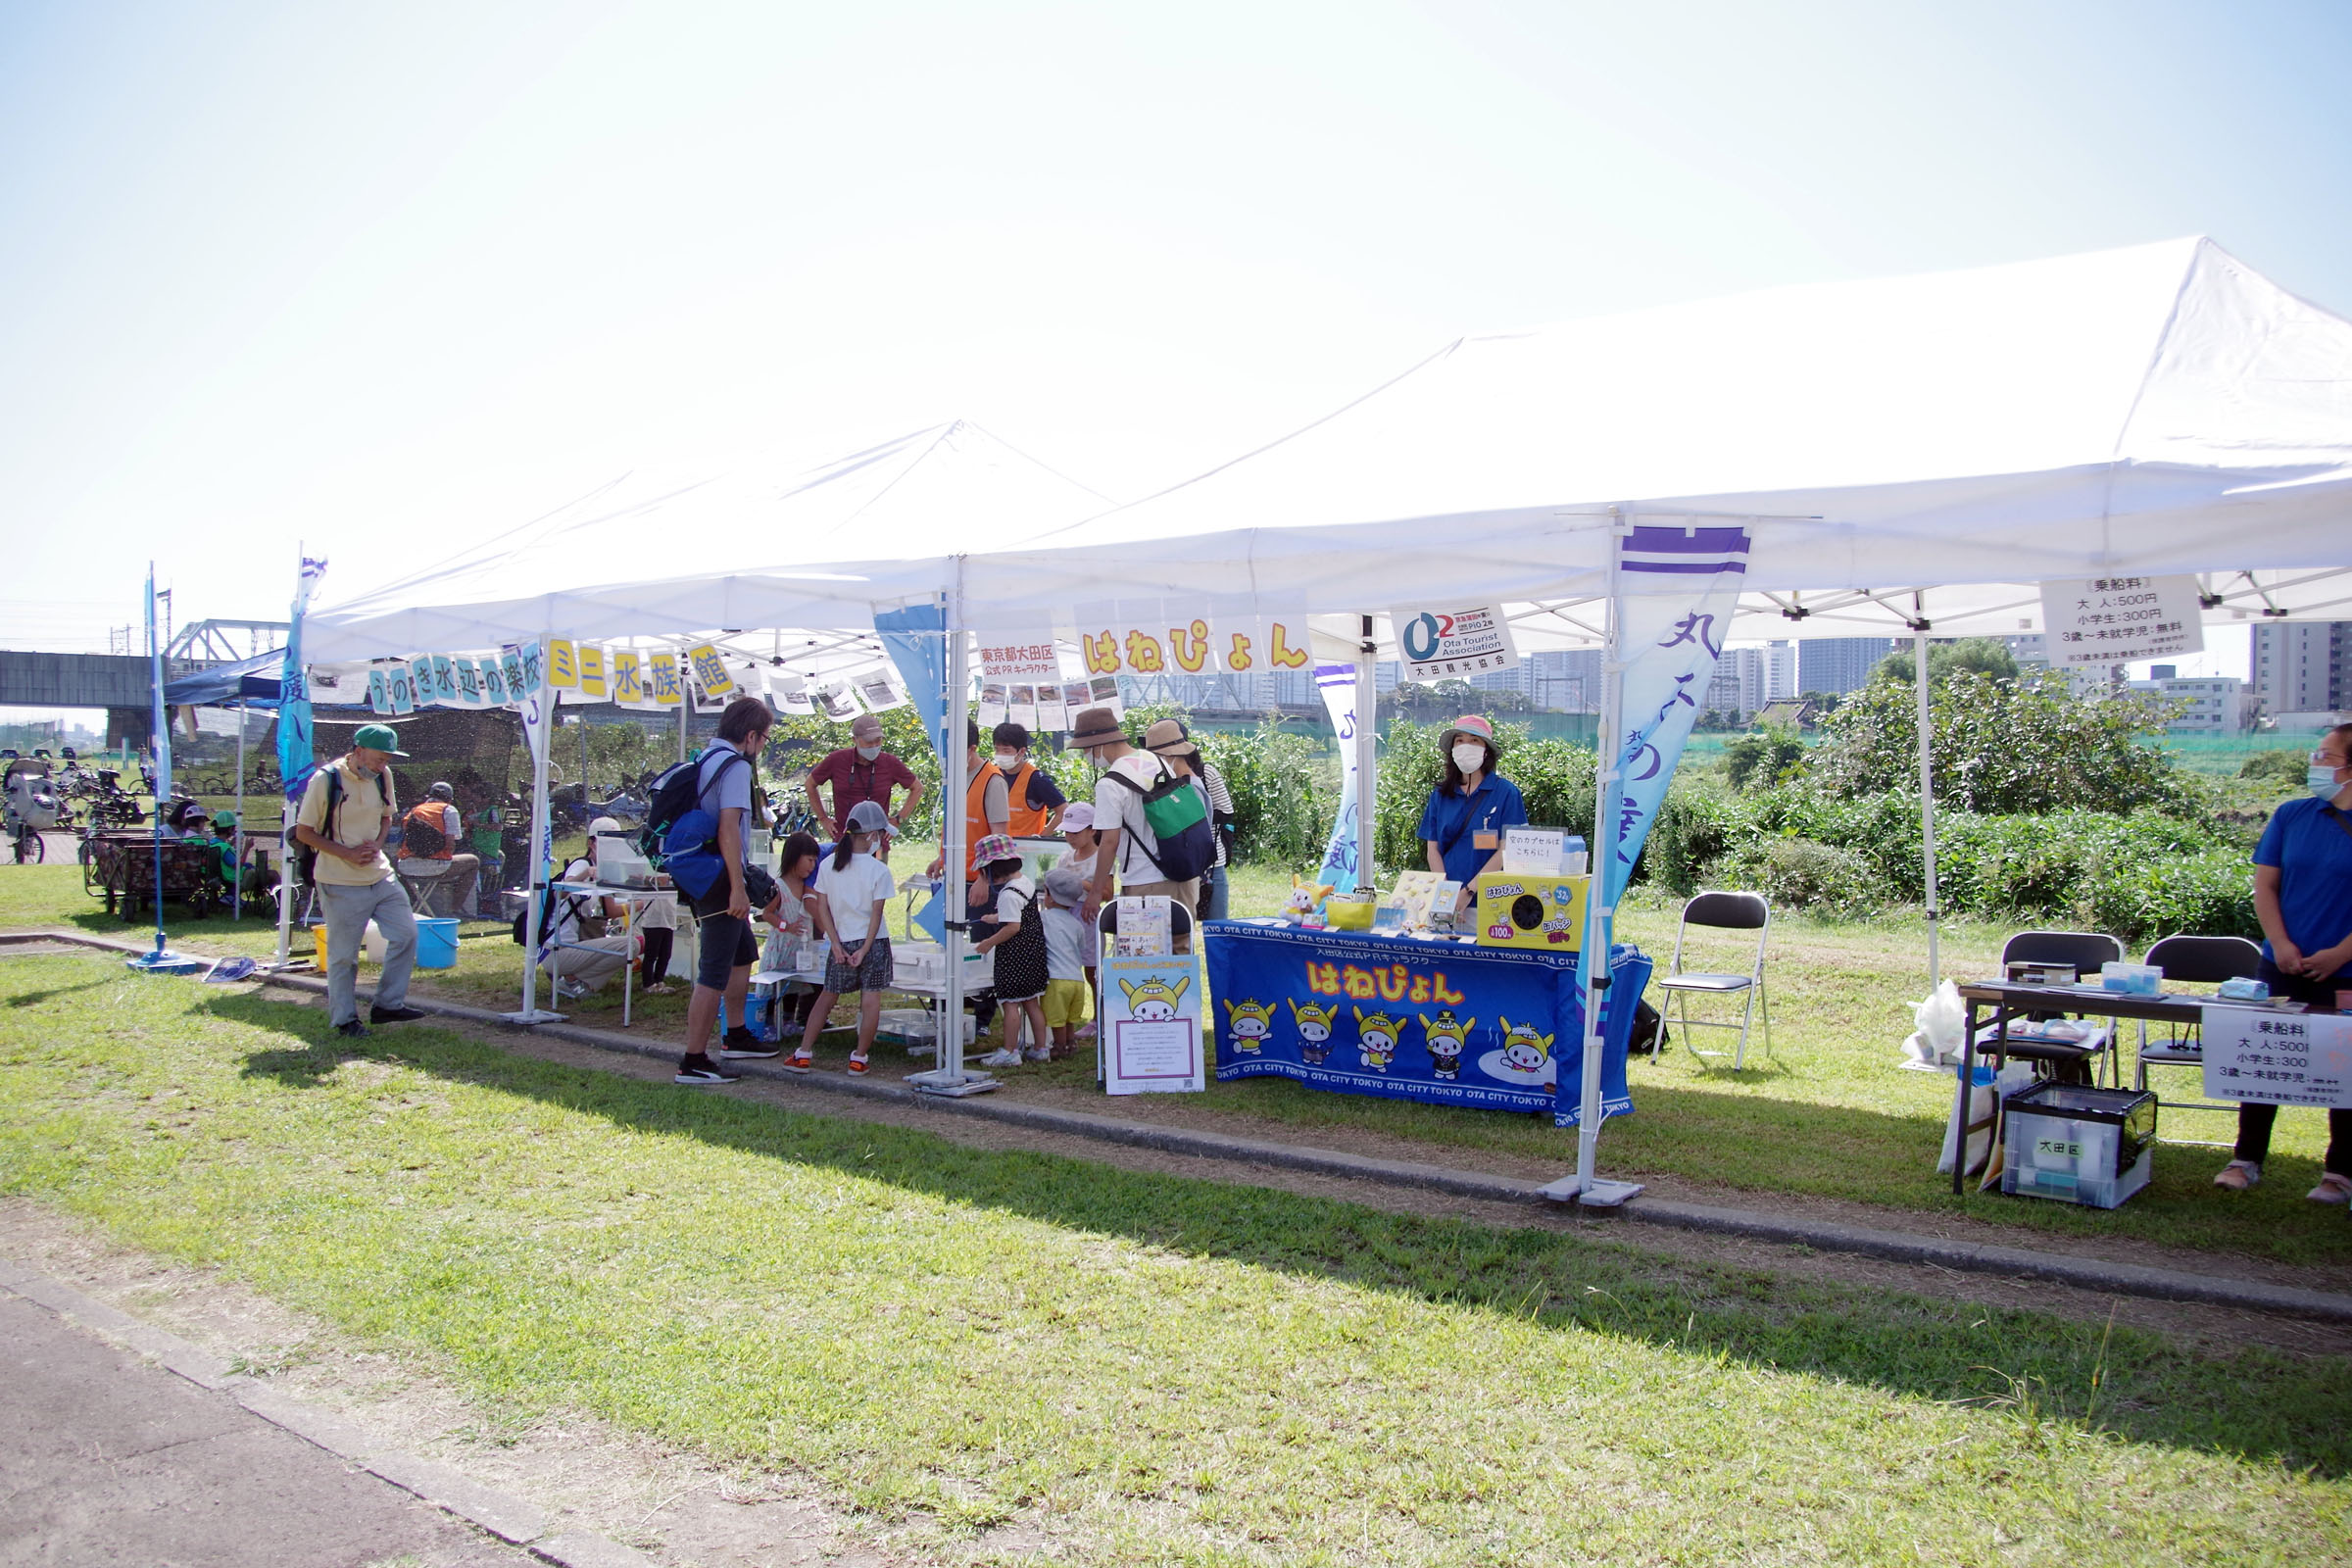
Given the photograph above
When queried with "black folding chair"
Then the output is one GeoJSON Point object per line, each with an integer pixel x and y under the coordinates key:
{"type": "Point", "coordinates": [2084, 952]}
{"type": "Point", "coordinates": [2194, 960]}
{"type": "Point", "coordinates": [1723, 912]}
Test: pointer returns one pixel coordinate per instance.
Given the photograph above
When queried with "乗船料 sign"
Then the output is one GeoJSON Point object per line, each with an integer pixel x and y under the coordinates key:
{"type": "Point", "coordinates": [2115, 620]}
{"type": "Point", "coordinates": [2278, 1058]}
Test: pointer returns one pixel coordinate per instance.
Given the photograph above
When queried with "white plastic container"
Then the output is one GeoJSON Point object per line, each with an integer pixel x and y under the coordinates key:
{"type": "Point", "coordinates": [2131, 979]}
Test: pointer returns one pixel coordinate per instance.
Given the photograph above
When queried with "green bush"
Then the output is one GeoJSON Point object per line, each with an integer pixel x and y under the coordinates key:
{"type": "Point", "coordinates": [1800, 873]}
{"type": "Point", "coordinates": [2278, 764]}
{"type": "Point", "coordinates": [2005, 746]}
{"type": "Point", "coordinates": [1286, 793]}
{"type": "Point", "coordinates": [1763, 757]}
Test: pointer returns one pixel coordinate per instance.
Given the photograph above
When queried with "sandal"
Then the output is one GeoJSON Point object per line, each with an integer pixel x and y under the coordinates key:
{"type": "Point", "coordinates": [2333, 1188]}
{"type": "Point", "coordinates": [858, 1061]}
{"type": "Point", "coordinates": [2238, 1175]}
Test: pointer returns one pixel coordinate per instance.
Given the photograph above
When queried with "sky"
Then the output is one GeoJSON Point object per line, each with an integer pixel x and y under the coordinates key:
{"type": "Point", "coordinates": [374, 282]}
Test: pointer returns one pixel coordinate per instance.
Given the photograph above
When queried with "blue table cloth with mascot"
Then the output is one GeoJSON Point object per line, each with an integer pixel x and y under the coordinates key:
{"type": "Point", "coordinates": [1442, 1022]}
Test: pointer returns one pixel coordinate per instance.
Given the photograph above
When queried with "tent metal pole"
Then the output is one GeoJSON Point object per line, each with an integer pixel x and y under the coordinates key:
{"type": "Point", "coordinates": [947, 1075]}
{"type": "Point", "coordinates": [1367, 781]}
{"type": "Point", "coordinates": [1586, 1186]}
{"type": "Point", "coordinates": [540, 732]}
{"type": "Point", "coordinates": [1927, 796]}
{"type": "Point", "coordinates": [685, 706]}
{"type": "Point", "coordinates": [236, 873]}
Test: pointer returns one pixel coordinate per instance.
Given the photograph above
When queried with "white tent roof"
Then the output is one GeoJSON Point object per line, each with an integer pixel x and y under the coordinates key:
{"type": "Point", "coordinates": [901, 509]}
{"type": "Point", "coordinates": [2160, 409]}
{"type": "Point", "coordinates": [2157, 409]}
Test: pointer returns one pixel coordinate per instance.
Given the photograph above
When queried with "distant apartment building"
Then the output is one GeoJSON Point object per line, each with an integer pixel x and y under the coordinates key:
{"type": "Point", "coordinates": [1738, 687]}
{"type": "Point", "coordinates": [1780, 672]}
{"type": "Point", "coordinates": [2302, 674]}
{"type": "Point", "coordinates": [1838, 664]}
{"type": "Point", "coordinates": [2210, 704]}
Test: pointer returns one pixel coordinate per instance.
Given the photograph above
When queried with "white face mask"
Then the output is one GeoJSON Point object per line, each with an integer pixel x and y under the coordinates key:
{"type": "Point", "coordinates": [869, 752]}
{"type": "Point", "coordinates": [1008, 760]}
{"type": "Point", "coordinates": [1470, 757]}
{"type": "Point", "coordinates": [2319, 778]}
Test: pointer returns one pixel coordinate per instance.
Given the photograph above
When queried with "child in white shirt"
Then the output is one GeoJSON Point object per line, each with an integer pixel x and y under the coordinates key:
{"type": "Point", "coordinates": [1070, 958]}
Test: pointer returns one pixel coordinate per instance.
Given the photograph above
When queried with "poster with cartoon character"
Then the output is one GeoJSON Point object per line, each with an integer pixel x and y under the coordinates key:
{"type": "Point", "coordinates": [1441, 1022]}
{"type": "Point", "coordinates": [1152, 1025]}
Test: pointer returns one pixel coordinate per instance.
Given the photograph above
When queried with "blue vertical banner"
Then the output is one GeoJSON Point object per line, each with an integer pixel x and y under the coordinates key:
{"type": "Point", "coordinates": [913, 638]}
{"type": "Point", "coordinates": [1336, 683]}
{"type": "Point", "coordinates": [1678, 585]}
{"type": "Point", "coordinates": [295, 752]}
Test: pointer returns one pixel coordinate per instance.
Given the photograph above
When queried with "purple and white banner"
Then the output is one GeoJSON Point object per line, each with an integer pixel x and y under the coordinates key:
{"type": "Point", "coordinates": [1678, 585]}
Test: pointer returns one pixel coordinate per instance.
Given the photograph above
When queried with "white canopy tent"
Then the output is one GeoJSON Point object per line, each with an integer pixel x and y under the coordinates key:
{"type": "Point", "coordinates": [1886, 444]}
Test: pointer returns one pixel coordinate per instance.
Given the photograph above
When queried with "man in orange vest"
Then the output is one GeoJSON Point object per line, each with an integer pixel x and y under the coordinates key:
{"type": "Point", "coordinates": [986, 802]}
{"type": "Point", "coordinates": [1033, 801]}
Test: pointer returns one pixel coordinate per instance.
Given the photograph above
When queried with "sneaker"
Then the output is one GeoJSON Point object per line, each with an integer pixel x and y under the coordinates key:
{"type": "Point", "coordinates": [858, 1061]}
{"type": "Point", "coordinates": [799, 1061]}
{"type": "Point", "coordinates": [2333, 1188]}
{"type": "Point", "coordinates": [354, 1030]}
{"type": "Point", "coordinates": [394, 1014]}
{"type": "Point", "coordinates": [570, 989]}
{"type": "Point", "coordinates": [1038, 1054]}
{"type": "Point", "coordinates": [2238, 1175]}
{"type": "Point", "coordinates": [1001, 1058]}
{"type": "Point", "coordinates": [754, 1051]}
{"type": "Point", "coordinates": [738, 1039]}
{"type": "Point", "coordinates": [701, 1070]}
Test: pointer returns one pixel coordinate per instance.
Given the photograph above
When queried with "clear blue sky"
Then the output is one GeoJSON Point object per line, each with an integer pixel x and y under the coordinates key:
{"type": "Point", "coordinates": [378, 277]}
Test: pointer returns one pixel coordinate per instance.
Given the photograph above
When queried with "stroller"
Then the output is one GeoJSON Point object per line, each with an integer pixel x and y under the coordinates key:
{"type": "Point", "coordinates": [31, 805]}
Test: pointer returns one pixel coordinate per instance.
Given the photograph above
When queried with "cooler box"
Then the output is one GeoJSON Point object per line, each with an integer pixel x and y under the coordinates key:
{"type": "Point", "coordinates": [1515, 910]}
{"type": "Point", "coordinates": [436, 944]}
{"type": "Point", "coordinates": [2077, 1144]}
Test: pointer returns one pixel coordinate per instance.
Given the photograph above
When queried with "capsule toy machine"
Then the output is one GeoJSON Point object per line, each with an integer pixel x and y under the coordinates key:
{"type": "Point", "coordinates": [1541, 910]}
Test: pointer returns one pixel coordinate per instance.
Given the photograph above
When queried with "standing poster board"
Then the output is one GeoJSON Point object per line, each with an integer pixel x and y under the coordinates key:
{"type": "Point", "coordinates": [1150, 1025]}
{"type": "Point", "coordinates": [2278, 1058]}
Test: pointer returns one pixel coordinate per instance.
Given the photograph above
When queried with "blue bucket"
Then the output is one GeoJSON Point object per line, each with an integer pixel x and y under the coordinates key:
{"type": "Point", "coordinates": [436, 944]}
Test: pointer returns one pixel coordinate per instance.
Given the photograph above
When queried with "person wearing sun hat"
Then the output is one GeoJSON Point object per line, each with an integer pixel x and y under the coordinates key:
{"type": "Point", "coordinates": [347, 810]}
{"type": "Point", "coordinates": [1461, 826]}
{"type": "Point", "coordinates": [1169, 738]}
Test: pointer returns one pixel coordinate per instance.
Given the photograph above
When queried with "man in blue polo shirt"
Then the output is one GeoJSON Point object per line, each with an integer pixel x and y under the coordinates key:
{"type": "Point", "coordinates": [1462, 824]}
{"type": "Point", "coordinates": [2303, 898]}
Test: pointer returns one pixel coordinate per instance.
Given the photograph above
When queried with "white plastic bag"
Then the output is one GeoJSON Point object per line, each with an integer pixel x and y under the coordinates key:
{"type": "Point", "coordinates": [1981, 1098]}
{"type": "Point", "coordinates": [1942, 1019]}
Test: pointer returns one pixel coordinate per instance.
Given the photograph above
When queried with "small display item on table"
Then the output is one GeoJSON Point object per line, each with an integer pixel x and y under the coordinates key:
{"type": "Point", "coordinates": [1515, 910]}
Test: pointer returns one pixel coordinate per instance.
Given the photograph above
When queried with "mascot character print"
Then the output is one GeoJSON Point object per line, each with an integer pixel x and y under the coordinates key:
{"type": "Point", "coordinates": [1249, 1022]}
{"type": "Point", "coordinates": [1447, 1038]}
{"type": "Point", "coordinates": [1314, 1029]}
{"type": "Point", "coordinates": [1376, 1035]}
{"type": "Point", "coordinates": [1154, 999]}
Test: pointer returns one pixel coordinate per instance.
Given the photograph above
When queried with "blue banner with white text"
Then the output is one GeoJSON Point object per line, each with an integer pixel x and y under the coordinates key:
{"type": "Point", "coordinates": [1441, 1022]}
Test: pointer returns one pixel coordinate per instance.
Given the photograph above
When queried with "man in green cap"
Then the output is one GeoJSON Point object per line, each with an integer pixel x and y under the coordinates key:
{"type": "Point", "coordinates": [347, 810]}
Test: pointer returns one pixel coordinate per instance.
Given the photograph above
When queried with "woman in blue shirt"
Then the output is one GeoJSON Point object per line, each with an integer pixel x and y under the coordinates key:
{"type": "Point", "coordinates": [1462, 824]}
{"type": "Point", "coordinates": [2303, 896]}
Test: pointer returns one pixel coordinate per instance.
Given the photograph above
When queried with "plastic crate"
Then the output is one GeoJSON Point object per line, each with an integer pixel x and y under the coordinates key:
{"type": "Point", "coordinates": [2077, 1144]}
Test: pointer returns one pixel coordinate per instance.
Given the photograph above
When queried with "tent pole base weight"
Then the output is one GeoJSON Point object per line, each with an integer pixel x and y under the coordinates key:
{"type": "Point", "coordinates": [1601, 1194]}
{"type": "Point", "coordinates": [533, 1015]}
{"type": "Point", "coordinates": [937, 1082]}
{"type": "Point", "coordinates": [165, 962]}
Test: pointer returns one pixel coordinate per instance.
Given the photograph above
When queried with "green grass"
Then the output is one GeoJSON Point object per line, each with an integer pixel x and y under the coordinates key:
{"type": "Point", "coordinates": [1827, 1115]}
{"type": "Point", "coordinates": [1151, 1369]}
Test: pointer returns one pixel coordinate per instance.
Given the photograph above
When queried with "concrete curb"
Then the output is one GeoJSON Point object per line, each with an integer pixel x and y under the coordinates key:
{"type": "Point", "coordinates": [509, 1518]}
{"type": "Point", "coordinates": [1901, 1247]}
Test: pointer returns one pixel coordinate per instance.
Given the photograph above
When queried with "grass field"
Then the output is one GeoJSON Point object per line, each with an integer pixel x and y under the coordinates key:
{"type": "Point", "coordinates": [1149, 1369]}
{"type": "Point", "coordinates": [1826, 1115]}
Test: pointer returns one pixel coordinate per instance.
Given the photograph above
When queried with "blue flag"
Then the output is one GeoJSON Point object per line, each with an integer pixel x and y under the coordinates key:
{"type": "Point", "coordinates": [295, 752]}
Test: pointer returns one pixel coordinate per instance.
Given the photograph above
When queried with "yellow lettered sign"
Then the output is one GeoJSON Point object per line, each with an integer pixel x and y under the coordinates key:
{"type": "Point", "coordinates": [592, 671]}
{"type": "Point", "coordinates": [710, 672]}
{"type": "Point", "coordinates": [628, 676]}
{"type": "Point", "coordinates": [562, 663]}
{"type": "Point", "coordinates": [668, 681]}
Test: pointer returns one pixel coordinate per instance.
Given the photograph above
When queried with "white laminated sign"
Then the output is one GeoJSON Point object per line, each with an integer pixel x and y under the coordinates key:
{"type": "Point", "coordinates": [2117, 620]}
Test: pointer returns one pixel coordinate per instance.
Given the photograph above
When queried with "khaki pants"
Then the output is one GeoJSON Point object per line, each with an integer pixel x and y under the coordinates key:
{"type": "Point", "coordinates": [1185, 893]}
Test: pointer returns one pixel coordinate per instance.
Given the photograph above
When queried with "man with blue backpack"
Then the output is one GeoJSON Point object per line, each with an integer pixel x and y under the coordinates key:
{"type": "Point", "coordinates": [699, 822]}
